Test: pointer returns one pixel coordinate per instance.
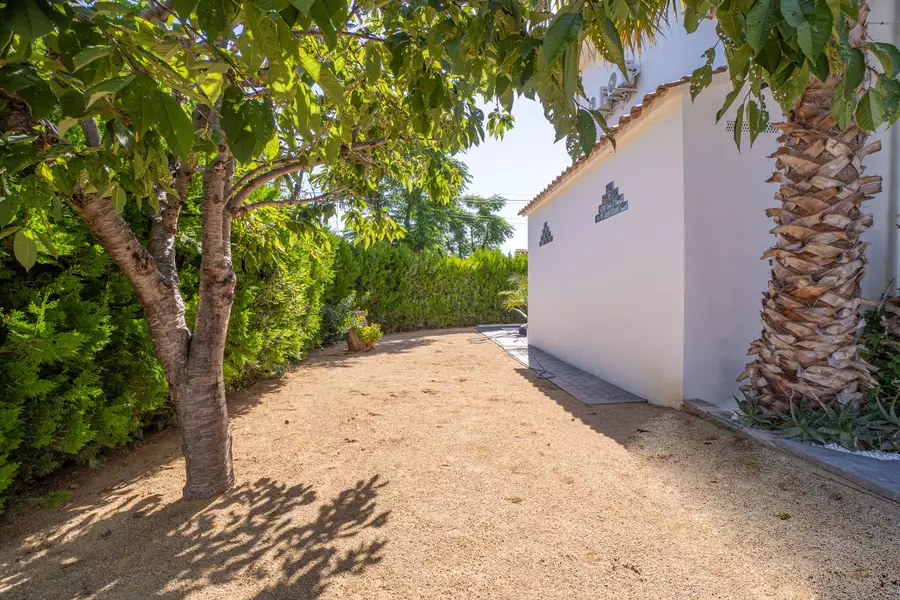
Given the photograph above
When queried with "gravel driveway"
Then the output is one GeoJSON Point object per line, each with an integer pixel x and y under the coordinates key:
{"type": "Point", "coordinates": [436, 467]}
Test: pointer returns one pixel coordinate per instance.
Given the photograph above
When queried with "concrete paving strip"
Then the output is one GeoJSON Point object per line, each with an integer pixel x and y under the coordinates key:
{"type": "Point", "coordinates": [581, 385]}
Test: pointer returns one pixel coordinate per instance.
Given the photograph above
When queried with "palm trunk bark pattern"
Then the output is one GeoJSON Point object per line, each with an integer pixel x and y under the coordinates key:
{"type": "Point", "coordinates": [809, 347]}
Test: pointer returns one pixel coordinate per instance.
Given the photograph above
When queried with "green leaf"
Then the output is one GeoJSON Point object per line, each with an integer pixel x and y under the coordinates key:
{"type": "Point", "coordinates": [106, 88]}
{"type": "Point", "coordinates": [891, 90]}
{"type": "Point", "coordinates": [27, 19]}
{"type": "Point", "coordinates": [888, 55]}
{"type": "Point", "coordinates": [612, 45]}
{"type": "Point", "coordinates": [753, 119]}
{"type": "Point", "coordinates": [820, 67]}
{"type": "Point", "coordinates": [321, 15]}
{"type": "Point", "coordinates": [587, 131]}
{"type": "Point", "coordinates": [813, 36]}
{"type": "Point", "coordinates": [72, 103]}
{"type": "Point", "coordinates": [45, 240]}
{"type": "Point", "coordinates": [118, 199]}
{"type": "Point", "coordinates": [760, 21]}
{"type": "Point", "coordinates": [794, 11]}
{"type": "Point", "coordinates": [25, 250]}
{"type": "Point", "coordinates": [175, 125]}
{"type": "Point", "coordinates": [842, 106]}
{"type": "Point", "coordinates": [39, 98]}
{"type": "Point", "coordinates": [694, 12]}
{"type": "Point", "coordinates": [303, 5]}
{"type": "Point", "coordinates": [738, 62]}
{"type": "Point", "coordinates": [563, 31]}
{"type": "Point", "coordinates": [9, 231]}
{"type": "Point", "coordinates": [729, 100]}
{"type": "Point", "coordinates": [870, 112]}
{"type": "Point", "coordinates": [183, 8]}
{"type": "Point", "coordinates": [323, 76]}
{"type": "Point", "coordinates": [739, 125]}
{"type": "Point", "coordinates": [89, 55]}
{"type": "Point", "coordinates": [138, 98]}
{"type": "Point", "coordinates": [855, 69]}
{"type": "Point", "coordinates": [700, 79]}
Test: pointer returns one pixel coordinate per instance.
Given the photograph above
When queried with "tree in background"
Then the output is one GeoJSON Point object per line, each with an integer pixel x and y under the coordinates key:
{"type": "Point", "coordinates": [459, 224]}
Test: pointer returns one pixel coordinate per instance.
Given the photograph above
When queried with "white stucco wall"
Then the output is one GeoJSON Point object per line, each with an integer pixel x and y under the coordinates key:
{"type": "Point", "coordinates": [607, 297]}
{"type": "Point", "coordinates": [726, 232]}
{"type": "Point", "coordinates": [883, 252]}
{"type": "Point", "coordinates": [674, 55]}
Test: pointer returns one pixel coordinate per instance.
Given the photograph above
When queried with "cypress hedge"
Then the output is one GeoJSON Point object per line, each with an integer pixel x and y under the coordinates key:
{"type": "Point", "coordinates": [78, 371]}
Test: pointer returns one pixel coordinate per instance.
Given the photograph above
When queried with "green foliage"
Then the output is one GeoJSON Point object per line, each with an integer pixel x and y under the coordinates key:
{"type": "Point", "coordinates": [875, 427]}
{"type": "Point", "coordinates": [370, 334]}
{"type": "Point", "coordinates": [460, 224]}
{"type": "Point", "coordinates": [405, 290]}
{"type": "Point", "coordinates": [341, 91]}
{"type": "Point", "coordinates": [779, 43]}
{"type": "Point", "coordinates": [78, 371]}
{"type": "Point", "coordinates": [515, 299]}
{"type": "Point", "coordinates": [56, 499]}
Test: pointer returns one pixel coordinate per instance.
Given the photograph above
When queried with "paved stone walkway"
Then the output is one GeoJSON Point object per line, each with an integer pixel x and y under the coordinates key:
{"type": "Point", "coordinates": [585, 387]}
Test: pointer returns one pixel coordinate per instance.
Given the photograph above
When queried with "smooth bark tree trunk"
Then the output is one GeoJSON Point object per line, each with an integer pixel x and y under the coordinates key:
{"type": "Point", "coordinates": [200, 396]}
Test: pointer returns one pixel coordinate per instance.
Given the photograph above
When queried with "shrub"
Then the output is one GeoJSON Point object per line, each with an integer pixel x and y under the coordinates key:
{"type": "Point", "coordinates": [370, 334]}
{"type": "Point", "coordinates": [405, 290]}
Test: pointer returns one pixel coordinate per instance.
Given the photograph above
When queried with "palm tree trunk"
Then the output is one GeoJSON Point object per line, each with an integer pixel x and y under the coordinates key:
{"type": "Point", "coordinates": [809, 347]}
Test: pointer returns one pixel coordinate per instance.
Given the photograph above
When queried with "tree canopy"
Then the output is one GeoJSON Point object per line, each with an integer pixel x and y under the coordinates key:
{"type": "Point", "coordinates": [460, 224]}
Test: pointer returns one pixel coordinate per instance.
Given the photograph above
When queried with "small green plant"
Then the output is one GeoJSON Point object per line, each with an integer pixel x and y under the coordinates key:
{"type": "Point", "coordinates": [875, 426]}
{"type": "Point", "coordinates": [370, 334]}
{"type": "Point", "coordinates": [56, 499]}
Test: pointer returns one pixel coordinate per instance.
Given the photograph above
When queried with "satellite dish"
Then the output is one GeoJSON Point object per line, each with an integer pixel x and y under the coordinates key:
{"type": "Point", "coordinates": [613, 82]}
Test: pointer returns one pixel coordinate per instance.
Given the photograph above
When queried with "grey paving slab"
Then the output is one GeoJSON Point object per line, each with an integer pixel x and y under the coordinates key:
{"type": "Point", "coordinates": [581, 385]}
{"type": "Point", "coordinates": [881, 477]}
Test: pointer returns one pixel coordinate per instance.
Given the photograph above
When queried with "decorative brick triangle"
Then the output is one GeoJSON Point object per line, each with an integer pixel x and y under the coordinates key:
{"type": "Point", "coordinates": [613, 203]}
{"type": "Point", "coordinates": [546, 236]}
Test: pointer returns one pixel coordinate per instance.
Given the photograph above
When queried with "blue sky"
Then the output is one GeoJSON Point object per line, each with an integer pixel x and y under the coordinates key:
{"type": "Point", "coordinates": [518, 166]}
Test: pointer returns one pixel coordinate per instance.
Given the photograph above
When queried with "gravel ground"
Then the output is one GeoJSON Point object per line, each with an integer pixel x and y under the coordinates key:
{"type": "Point", "coordinates": [436, 467]}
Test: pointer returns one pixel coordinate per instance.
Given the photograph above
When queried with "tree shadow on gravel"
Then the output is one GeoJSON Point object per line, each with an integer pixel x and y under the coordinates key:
{"type": "Point", "coordinates": [265, 536]}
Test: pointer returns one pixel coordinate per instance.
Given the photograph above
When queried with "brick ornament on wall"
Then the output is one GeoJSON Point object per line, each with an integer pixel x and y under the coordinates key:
{"type": "Point", "coordinates": [546, 236]}
{"type": "Point", "coordinates": [613, 203]}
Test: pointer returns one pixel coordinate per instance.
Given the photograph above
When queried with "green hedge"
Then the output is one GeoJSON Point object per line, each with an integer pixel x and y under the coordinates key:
{"type": "Point", "coordinates": [78, 370]}
{"type": "Point", "coordinates": [404, 290]}
{"type": "Point", "coordinates": [77, 366]}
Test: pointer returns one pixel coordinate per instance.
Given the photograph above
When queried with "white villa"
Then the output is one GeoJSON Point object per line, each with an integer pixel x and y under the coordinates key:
{"type": "Point", "coordinates": [644, 262]}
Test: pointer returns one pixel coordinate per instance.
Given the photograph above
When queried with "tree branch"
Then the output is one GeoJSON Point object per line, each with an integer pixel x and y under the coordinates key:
{"type": "Point", "coordinates": [294, 200]}
{"type": "Point", "coordinates": [157, 11]}
{"type": "Point", "coordinates": [164, 224]}
{"type": "Point", "coordinates": [256, 182]}
{"type": "Point", "coordinates": [158, 295]}
{"type": "Point", "coordinates": [355, 34]}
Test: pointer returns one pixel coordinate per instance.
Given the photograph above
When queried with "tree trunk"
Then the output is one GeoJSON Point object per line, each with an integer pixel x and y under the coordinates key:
{"type": "Point", "coordinates": [809, 347]}
{"type": "Point", "coordinates": [202, 411]}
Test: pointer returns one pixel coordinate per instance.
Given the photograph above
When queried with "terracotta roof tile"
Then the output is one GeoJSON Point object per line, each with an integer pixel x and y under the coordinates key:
{"type": "Point", "coordinates": [625, 122]}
